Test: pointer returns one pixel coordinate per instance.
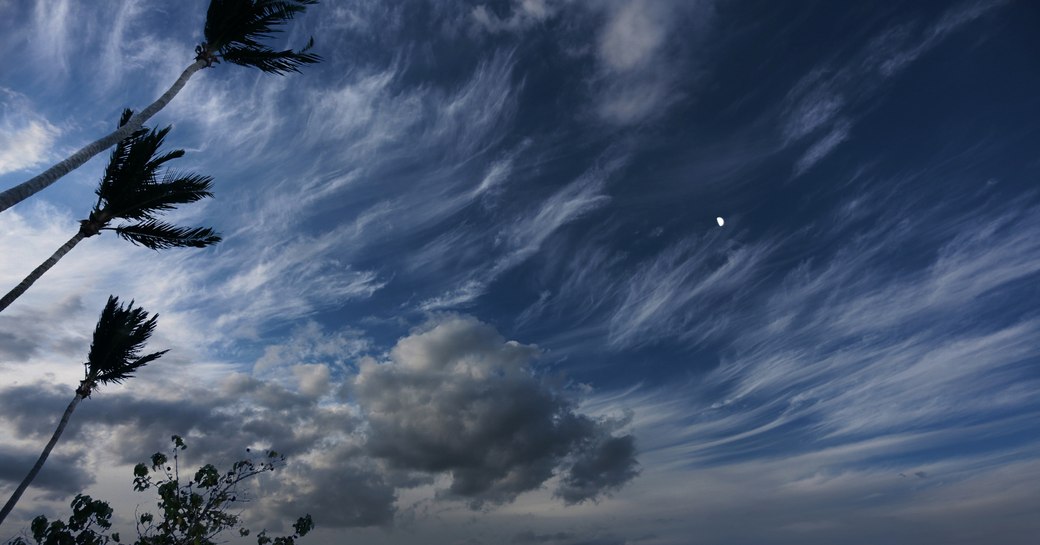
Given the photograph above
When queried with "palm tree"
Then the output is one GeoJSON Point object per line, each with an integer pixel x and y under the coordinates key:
{"type": "Point", "coordinates": [115, 354]}
{"type": "Point", "coordinates": [232, 30]}
{"type": "Point", "coordinates": [132, 191]}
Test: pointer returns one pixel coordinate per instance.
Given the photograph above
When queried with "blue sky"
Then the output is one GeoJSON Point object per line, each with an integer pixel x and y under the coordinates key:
{"type": "Point", "coordinates": [473, 285]}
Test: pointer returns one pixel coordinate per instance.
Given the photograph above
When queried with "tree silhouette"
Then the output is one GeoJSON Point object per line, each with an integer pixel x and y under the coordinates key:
{"type": "Point", "coordinates": [115, 354]}
{"type": "Point", "coordinates": [131, 190]}
{"type": "Point", "coordinates": [232, 31]}
{"type": "Point", "coordinates": [191, 512]}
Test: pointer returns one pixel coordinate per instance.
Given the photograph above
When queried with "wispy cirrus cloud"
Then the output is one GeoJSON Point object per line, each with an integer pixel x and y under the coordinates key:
{"type": "Point", "coordinates": [524, 14]}
{"type": "Point", "coordinates": [52, 24]}
{"type": "Point", "coordinates": [818, 108]}
{"type": "Point", "coordinates": [517, 241]}
{"type": "Point", "coordinates": [826, 493]}
{"type": "Point", "coordinates": [289, 281]}
{"type": "Point", "coordinates": [637, 77]}
{"type": "Point", "coordinates": [682, 286]}
{"type": "Point", "coordinates": [850, 350]}
{"type": "Point", "coordinates": [876, 353]}
{"type": "Point", "coordinates": [895, 49]}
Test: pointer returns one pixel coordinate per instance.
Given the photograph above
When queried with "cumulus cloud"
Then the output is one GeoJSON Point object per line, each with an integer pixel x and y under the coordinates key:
{"type": "Point", "coordinates": [457, 398]}
{"type": "Point", "coordinates": [309, 346]}
{"type": "Point", "coordinates": [336, 486]}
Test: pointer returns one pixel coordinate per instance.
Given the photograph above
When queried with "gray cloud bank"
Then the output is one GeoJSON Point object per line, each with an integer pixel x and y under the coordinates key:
{"type": "Point", "coordinates": [453, 399]}
{"type": "Point", "coordinates": [458, 398]}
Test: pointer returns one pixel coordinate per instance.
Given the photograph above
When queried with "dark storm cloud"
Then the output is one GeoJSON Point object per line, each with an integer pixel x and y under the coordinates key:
{"type": "Point", "coordinates": [24, 334]}
{"type": "Point", "coordinates": [602, 465]}
{"type": "Point", "coordinates": [220, 422]}
{"type": "Point", "coordinates": [565, 538]}
{"type": "Point", "coordinates": [458, 398]}
{"type": "Point", "coordinates": [15, 347]}
{"type": "Point", "coordinates": [34, 410]}
{"type": "Point", "coordinates": [336, 486]}
{"type": "Point", "coordinates": [63, 474]}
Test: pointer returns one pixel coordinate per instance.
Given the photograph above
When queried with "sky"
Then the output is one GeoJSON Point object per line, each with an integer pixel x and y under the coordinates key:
{"type": "Point", "coordinates": [472, 283]}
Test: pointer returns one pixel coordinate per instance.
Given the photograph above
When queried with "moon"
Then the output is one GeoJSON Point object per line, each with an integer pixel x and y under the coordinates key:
{"type": "Point", "coordinates": [720, 221]}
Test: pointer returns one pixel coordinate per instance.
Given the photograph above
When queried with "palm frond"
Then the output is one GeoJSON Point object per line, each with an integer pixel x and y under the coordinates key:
{"type": "Point", "coordinates": [272, 62]}
{"type": "Point", "coordinates": [156, 162]}
{"type": "Point", "coordinates": [145, 200]}
{"type": "Point", "coordinates": [141, 162]}
{"type": "Point", "coordinates": [156, 235]}
{"type": "Point", "coordinates": [138, 165]}
{"type": "Point", "coordinates": [120, 155]}
{"type": "Point", "coordinates": [119, 337]}
{"type": "Point", "coordinates": [234, 27]}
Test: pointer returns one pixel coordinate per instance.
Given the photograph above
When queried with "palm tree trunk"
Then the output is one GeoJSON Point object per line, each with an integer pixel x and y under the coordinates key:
{"type": "Point", "coordinates": [38, 271]}
{"type": "Point", "coordinates": [39, 462]}
{"type": "Point", "coordinates": [30, 187]}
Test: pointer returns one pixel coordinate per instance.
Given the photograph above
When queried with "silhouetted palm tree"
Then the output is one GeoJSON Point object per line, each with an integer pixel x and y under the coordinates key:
{"type": "Point", "coordinates": [115, 354]}
{"type": "Point", "coordinates": [131, 191]}
{"type": "Point", "coordinates": [232, 30]}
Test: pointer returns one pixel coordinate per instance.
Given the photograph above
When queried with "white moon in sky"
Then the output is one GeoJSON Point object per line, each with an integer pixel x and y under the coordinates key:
{"type": "Point", "coordinates": [721, 221]}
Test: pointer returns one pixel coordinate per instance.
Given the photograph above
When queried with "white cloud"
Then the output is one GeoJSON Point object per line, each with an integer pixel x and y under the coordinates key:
{"type": "Point", "coordinates": [575, 200]}
{"type": "Point", "coordinates": [523, 15]}
{"type": "Point", "coordinates": [810, 106]}
{"type": "Point", "coordinates": [29, 236]}
{"type": "Point", "coordinates": [119, 43]}
{"type": "Point", "coordinates": [633, 34]}
{"type": "Point", "coordinates": [313, 379]}
{"type": "Point", "coordinates": [895, 50]}
{"type": "Point", "coordinates": [287, 281]}
{"type": "Point", "coordinates": [53, 21]}
{"type": "Point", "coordinates": [822, 147]}
{"type": "Point", "coordinates": [27, 139]}
{"type": "Point", "coordinates": [639, 78]}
